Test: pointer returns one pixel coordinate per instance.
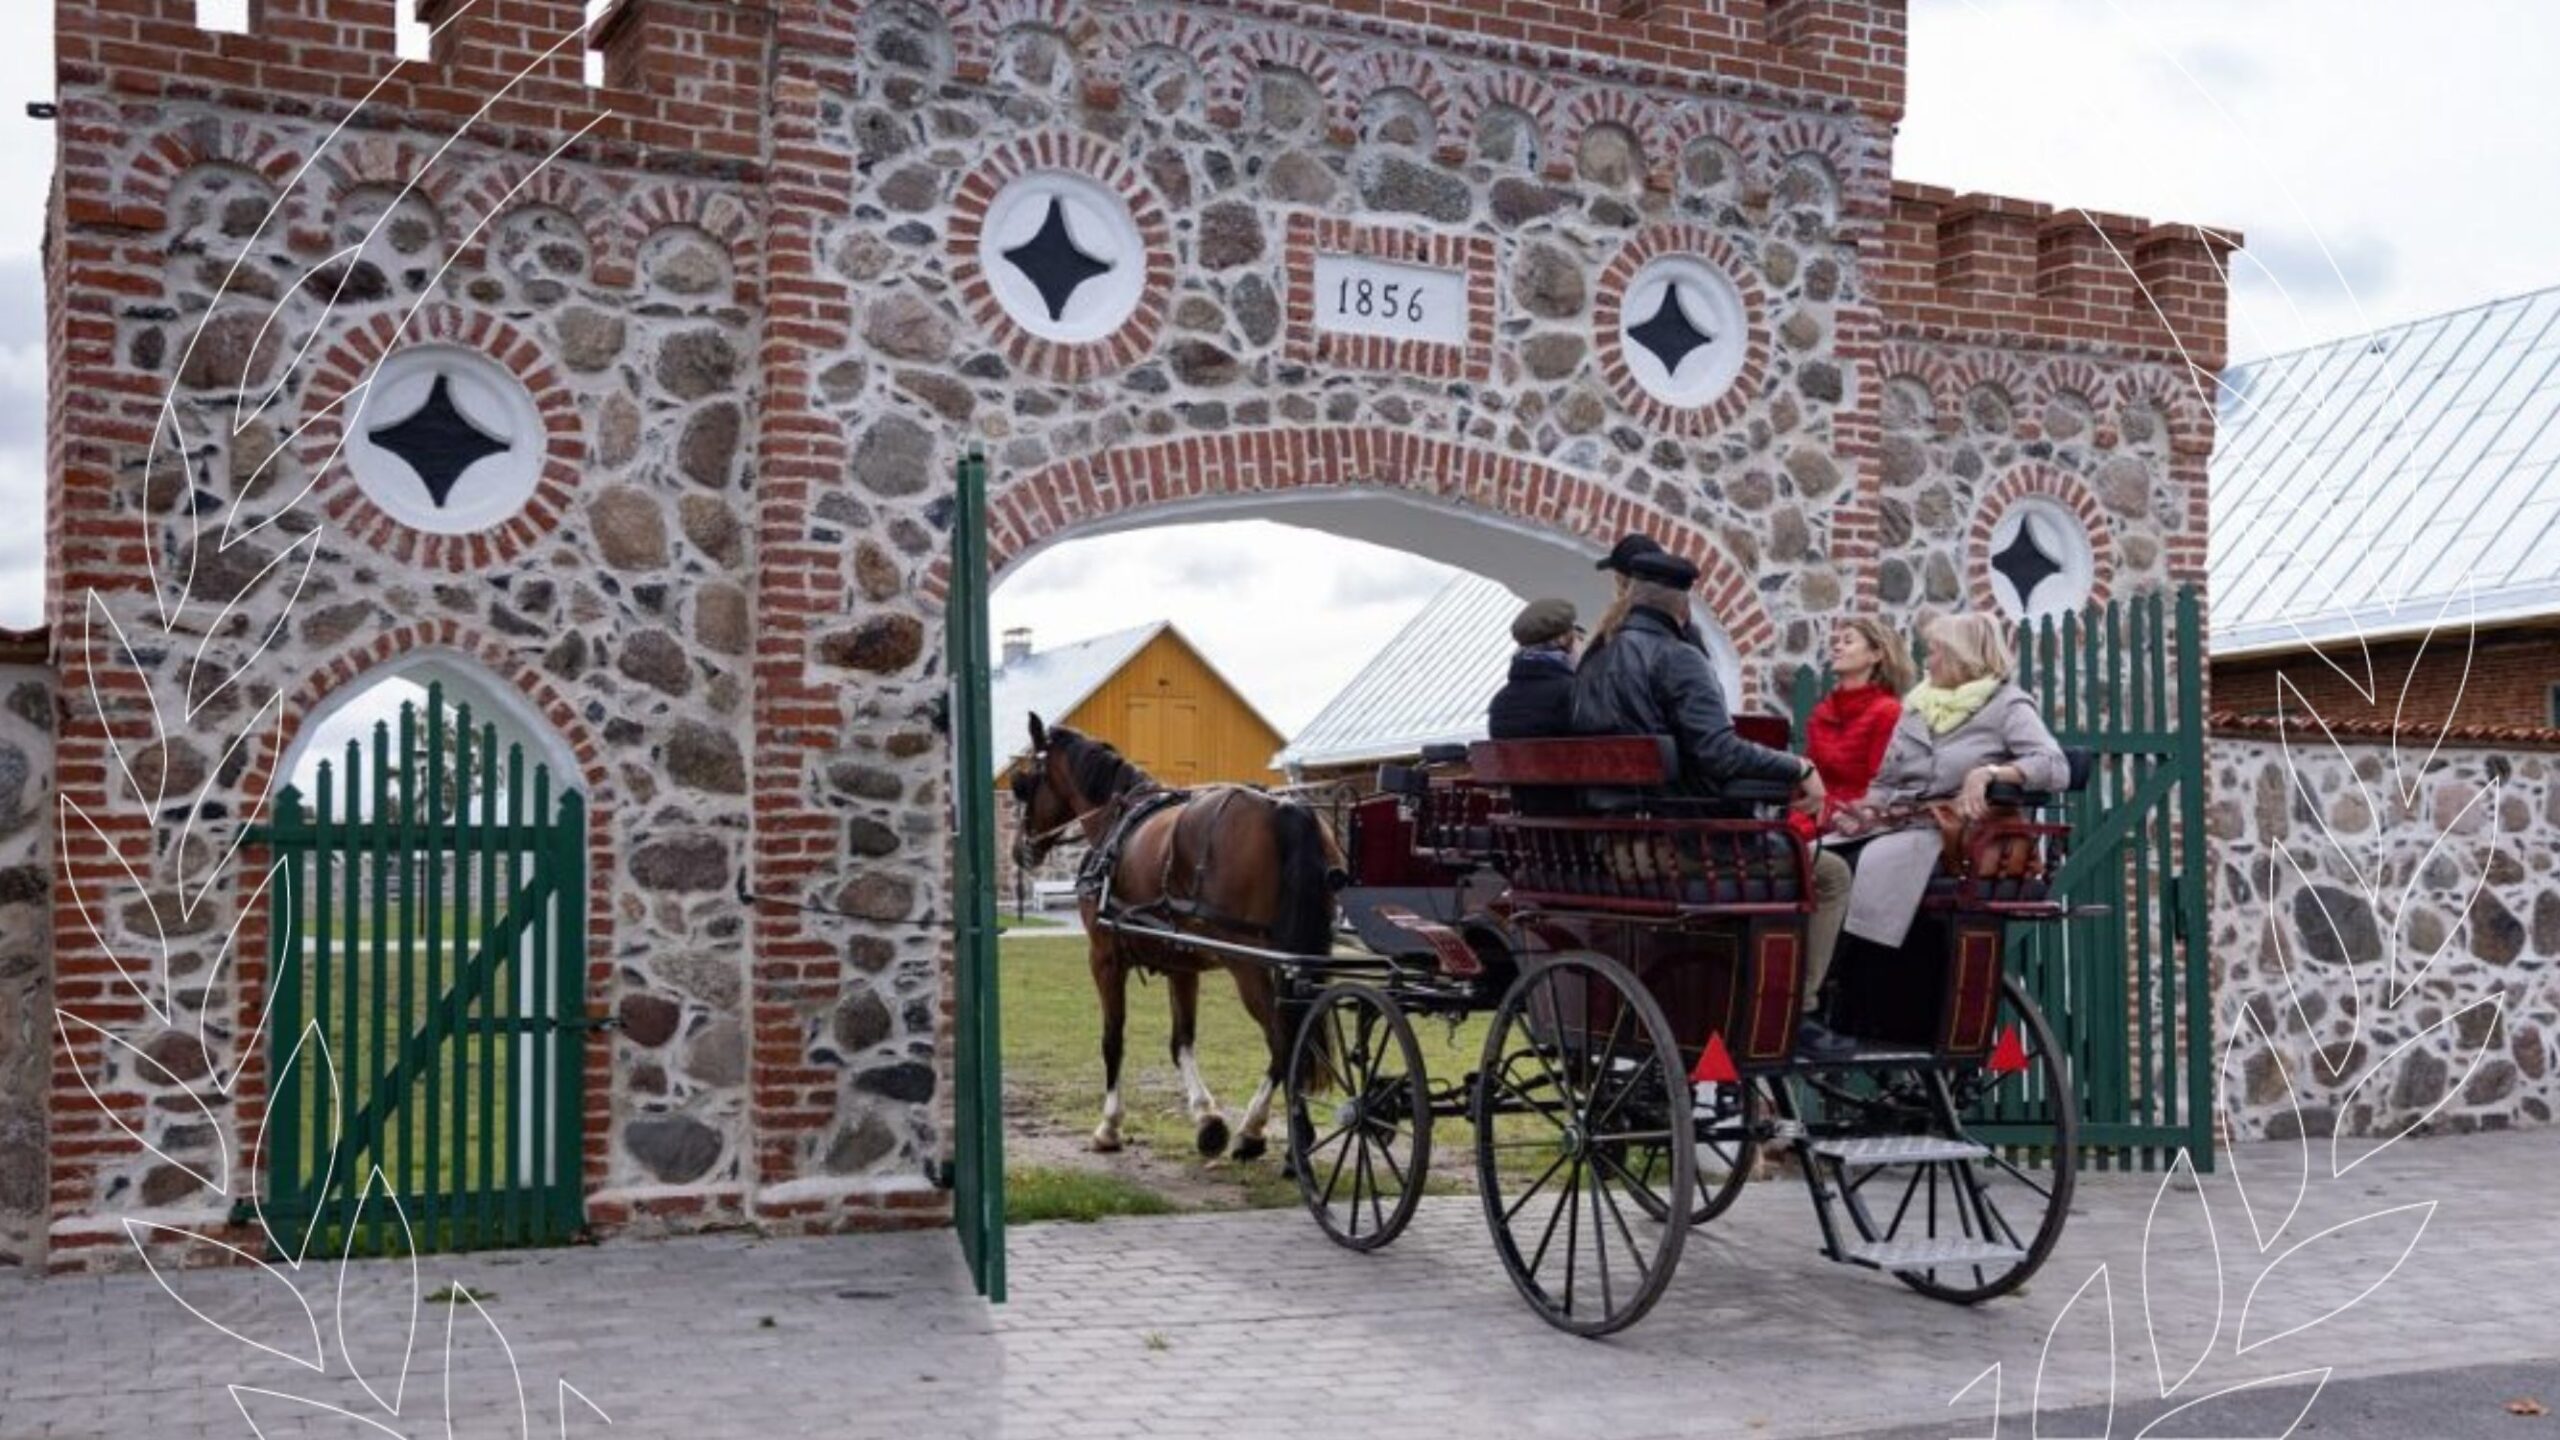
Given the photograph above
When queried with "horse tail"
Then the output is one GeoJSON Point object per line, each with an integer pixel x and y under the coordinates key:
{"type": "Point", "coordinates": [1310, 871]}
{"type": "Point", "coordinates": [1309, 874]}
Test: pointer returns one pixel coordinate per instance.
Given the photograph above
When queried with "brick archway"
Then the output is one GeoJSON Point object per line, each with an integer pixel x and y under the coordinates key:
{"type": "Point", "coordinates": [1029, 512]}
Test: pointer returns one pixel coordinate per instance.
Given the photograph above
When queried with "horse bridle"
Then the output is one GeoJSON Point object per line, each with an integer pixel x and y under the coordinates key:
{"type": "Point", "coordinates": [1024, 846]}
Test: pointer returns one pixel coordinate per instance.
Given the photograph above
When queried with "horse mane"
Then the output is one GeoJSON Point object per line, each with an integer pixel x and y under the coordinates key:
{"type": "Point", "coordinates": [1100, 772]}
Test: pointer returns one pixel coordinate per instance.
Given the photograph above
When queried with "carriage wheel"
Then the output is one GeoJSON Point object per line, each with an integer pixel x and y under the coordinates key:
{"type": "Point", "coordinates": [1917, 1184]}
{"type": "Point", "coordinates": [1559, 1107]}
{"type": "Point", "coordinates": [1361, 1143]}
{"type": "Point", "coordinates": [1728, 1119]}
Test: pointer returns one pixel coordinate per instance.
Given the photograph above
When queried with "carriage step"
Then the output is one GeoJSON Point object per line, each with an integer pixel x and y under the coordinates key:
{"type": "Point", "coordinates": [1929, 1254]}
{"type": "Point", "coordinates": [1899, 1150]}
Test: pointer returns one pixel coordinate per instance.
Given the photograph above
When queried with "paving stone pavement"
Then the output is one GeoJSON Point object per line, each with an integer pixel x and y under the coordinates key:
{"type": "Point", "coordinates": [1246, 1325]}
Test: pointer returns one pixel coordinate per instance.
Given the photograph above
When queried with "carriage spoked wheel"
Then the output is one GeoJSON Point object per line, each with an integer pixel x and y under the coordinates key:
{"type": "Point", "coordinates": [1581, 1077]}
{"type": "Point", "coordinates": [1728, 1118]}
{"type": "Point", "coordinates": [1953, 1214]}
{"type": "Point", "coordinates": [1359, 1115]}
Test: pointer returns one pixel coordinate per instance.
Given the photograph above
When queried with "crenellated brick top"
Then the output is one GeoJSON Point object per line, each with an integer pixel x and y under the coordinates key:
{"type": "Point", "coordinates": [2004, 271]}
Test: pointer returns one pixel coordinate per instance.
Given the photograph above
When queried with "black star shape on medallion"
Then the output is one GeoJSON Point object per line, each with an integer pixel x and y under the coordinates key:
{"type": "Point", "coordinates": [2026, 564]}
{"type": "Point", "coordinates": [1669, 335]}
{"type": "Point", "coordinates": [1052, 263]}
{"type": "Point", "coordinates": [439, 442]}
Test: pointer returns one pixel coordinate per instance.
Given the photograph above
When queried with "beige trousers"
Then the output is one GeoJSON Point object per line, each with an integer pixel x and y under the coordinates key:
{"type": "Point", "coordinates": [1831, 877]}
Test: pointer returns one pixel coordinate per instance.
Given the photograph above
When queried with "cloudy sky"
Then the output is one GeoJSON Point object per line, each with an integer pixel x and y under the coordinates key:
{"type": "Point", "coordinates": [2385, 160]}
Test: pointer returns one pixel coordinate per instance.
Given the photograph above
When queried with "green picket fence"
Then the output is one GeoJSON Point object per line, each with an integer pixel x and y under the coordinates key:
{"type": "Point", "coordinates": [427, 926]}
{"type": "Point", "coordinates": [2129, 991]}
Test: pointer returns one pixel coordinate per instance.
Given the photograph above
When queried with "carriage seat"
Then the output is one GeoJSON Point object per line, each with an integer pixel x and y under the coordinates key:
{"type": "Point", "coordinates": [1567, 792]}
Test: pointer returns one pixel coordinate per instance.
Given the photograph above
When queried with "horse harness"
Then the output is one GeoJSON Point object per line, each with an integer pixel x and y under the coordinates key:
{"type": "Point", "coordinates": [1102, 862]}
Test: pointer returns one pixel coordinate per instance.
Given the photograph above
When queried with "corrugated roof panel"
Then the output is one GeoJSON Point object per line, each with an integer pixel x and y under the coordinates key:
{"type": "Point", "coordinates": [2360, 485]}
{"type": "Point", "coordinates": [1429, 683]}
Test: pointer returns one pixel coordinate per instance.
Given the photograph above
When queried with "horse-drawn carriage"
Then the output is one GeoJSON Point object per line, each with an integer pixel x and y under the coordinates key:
{"type": "Point", "coordinates": [1639, 953]}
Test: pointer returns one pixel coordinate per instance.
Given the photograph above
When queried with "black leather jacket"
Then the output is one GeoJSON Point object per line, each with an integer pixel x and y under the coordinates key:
{"type": "Point", "coordinates": [1652, 678]}
{"type": "Point", "coordinates": [1537, 702]}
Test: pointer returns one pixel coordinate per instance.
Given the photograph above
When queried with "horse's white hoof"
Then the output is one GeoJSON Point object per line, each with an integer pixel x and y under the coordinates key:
{"type": "Point", "coordinates": [1106, 1141]}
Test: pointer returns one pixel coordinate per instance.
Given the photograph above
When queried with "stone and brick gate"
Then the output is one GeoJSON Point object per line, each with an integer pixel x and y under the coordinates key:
{"type": "Point", "coordinates": [639, 402]}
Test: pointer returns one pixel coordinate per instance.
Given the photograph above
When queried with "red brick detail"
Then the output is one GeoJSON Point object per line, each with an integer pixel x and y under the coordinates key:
{"type": "Point", "coordinates": [506, 189]}
{"type": "Point", "coordinates": [143, 184]}
{"type": "Point", "coordinates": [1509, 90]}
{"type": "Point", "coordinates": [1925, 366]}
{"type": "Point", "coordinates": [1727, 126]}
{"type": "Point", "coordinates": [722, 214]}
{"type": "Point", "coordinates": [1630, 112]}
{"type": "Point", "coordinates": [2055, 484]}
{"type": "Point", "coordinates": [1070, 494]}
{"type": "Point", "coordinates": [334, 397]}
{"type": "Point", "coordinates": [1377, 71]}
{"type": "Point", "coordinates": [1992, 270]}
{"type": "Point", "coordinates": [354, 665]}
{"type": "Point", "coordinates": [979, 29]}
{"type": "Point", "coordinates": [2183, 403]}
{"type": "Point", "coordinates": [1254, 51]}
{"type": "Point", "coordinates": [1470, 255]}
{"type": "Point", "coordinates": [1197, 36]}
{"type": "Point", "coordinates": [359, 161]}
{"type": "Point", "coordinates": [1085, 155]}
{"type": "Point", "coordinates": [1610, 330]}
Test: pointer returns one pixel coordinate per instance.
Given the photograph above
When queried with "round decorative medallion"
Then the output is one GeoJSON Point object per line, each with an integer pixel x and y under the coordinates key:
{"type": "Point", "coordinates": [1062, 252]}
{"type": "Point", "coordinates": [2041, 559]}
{"type": "Point", "coordinates": [1064, 257]}
{"type": "Point", "coordinates": [447, 441]}
{"type": "Point", "coordinates": [1684, 331]}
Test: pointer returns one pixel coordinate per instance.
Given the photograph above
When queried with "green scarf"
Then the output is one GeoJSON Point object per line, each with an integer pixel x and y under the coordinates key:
{"type": "Point", "coordinates": [1946, 709]}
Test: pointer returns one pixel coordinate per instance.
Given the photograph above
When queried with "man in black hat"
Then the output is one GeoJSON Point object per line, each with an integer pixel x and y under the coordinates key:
{"type": "Point", "coordinates": [1647, 673]}
{"type": "Point", "coordinates": [1536, 702]}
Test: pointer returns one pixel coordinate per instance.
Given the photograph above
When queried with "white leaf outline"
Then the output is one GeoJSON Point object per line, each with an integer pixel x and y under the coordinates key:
{"type": "Point", "coordinates": [308, 542]}
{"type": "Point", "coordinates": [2245, 1344]}
{"type": "Point", "coordinates": [147, 990]}
{"type": "Point", "coordinates": [2232, 1094]}
{"type": "Point", "coordinates": [2107, 1288]}
{"type": "Point", "coordinates": [2397, 986]}
{"type": "Point", "coordinates": [311, 1036]}
{"type": "Point", "coordinates": [134, 1225]}
{"type": "Point", "coordinates": [1993, 1371]}
{"type": "Point", "coordinates": [221, 1185]}
{"type": "Point", "coordinates": [2323, 1371]}
{"type": "Point", "coordinates": [524, 1412]}
{"type": "Point", "coordinates": [249, 805]}
{"type": "Point", "coordinates": [89, 614]}
{"type": "Point", "coordinates": [2497, 1003]}
{"type": "Point", "coordinates": [219, 973]}
{"type": "Point", "coordinates": [2150, 1326]}
{"type": "Point", "coordinates": [346, 1261]}
{"type": "Point", "coordinates": [2404, 778]}
{"type": "Point", "coordinates": [238, 1391]}
{"type": "Point", "coordinates": [567, 1390]}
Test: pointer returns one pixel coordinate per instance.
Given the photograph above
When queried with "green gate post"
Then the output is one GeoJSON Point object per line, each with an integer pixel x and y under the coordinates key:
{"type": "Point", "coordinates": [978, 1105]}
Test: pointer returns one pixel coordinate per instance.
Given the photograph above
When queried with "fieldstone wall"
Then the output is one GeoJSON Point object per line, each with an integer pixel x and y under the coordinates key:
{"type": "Point", "coordinates": [26, 953]}
{"type": "Point", "coordinates": [2386, 931]}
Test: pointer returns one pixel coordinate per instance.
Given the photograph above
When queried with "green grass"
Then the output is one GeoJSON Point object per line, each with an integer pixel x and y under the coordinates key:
{"type": "Point", "coordinates": [1052, 1033]}
{"type": "Point", "coordinates": [1008, 923]}
{"type": "Point", "coordinates": [1040, 1192]}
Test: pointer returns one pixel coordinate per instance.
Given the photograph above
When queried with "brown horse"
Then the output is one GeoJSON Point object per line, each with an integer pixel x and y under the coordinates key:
{"type": "Point", "coordinates": [1225, 862]}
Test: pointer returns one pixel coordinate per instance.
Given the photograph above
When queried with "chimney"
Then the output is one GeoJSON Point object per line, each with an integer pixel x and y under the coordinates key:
{"type": "Point", "coordinates": [1017, 644]}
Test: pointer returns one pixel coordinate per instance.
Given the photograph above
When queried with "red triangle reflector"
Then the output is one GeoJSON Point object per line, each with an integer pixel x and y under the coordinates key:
{"type": "Point", "coordinates": [2009, 1056]}
{"type": "Point", "coordinates": [1715, 1065]}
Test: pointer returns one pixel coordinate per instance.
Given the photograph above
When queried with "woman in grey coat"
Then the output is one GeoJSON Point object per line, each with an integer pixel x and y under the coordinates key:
{"type": "Point", "coordinates": [1964, 729]}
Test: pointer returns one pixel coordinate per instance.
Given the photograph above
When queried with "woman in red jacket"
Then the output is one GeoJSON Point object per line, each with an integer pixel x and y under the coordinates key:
{"type": "Point", "coordinates": [1849, 729]}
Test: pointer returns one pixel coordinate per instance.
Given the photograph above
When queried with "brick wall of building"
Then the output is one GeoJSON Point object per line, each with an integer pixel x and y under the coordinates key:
{"type": "Point", "coordinates": [2502, 676]}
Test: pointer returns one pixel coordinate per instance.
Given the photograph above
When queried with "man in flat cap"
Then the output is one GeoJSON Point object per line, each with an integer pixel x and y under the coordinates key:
{"type": "Point", "coordinates": [1537, 701]}
{"type": "Point", "coordinates": [1647, 673]}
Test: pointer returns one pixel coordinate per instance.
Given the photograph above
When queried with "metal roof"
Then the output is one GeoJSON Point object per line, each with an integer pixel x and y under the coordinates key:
{"type": "Point", "coordinates": [1428, 685]}
{"type": "Point", "coordinates": [1052, 683]}
{"type": "Point", "coordinates": [2371, 485]}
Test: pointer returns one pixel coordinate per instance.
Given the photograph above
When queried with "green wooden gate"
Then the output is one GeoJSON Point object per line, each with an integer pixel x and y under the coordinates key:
{"type": "Point", "coordinates": [428, 928]}
{"type": "Point", "coordinates": [2129, 991]}
{"type": "Point", "coordinates": [977, 1142]}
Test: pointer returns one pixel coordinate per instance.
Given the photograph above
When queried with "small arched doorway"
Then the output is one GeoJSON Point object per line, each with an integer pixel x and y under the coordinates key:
{"type": "Point", "coordinates": [426, 1035]}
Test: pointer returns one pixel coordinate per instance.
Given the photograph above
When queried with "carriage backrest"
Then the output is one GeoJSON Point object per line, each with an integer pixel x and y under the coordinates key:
{"type": "Point", "coordinates": [1584, 762]}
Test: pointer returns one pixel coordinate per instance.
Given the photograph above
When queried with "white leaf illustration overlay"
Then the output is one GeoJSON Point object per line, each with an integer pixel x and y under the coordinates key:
{"type": "Point", "coordinates": [2044, 1362]}
{"type": "Point", "coordinates": [2386, 1073]}
{"type": "Point", "coordinates": [274, 1401]}
{"type": "Point", "coordinates": [2319, 1380]}
{"type": "Point", "coordinates": [2316, 1258]}
{"type": "Point", "coordinates": [310, 1047]}
{"type": "Point", "coordinates": [463, 1296]}
{"type": "Point", "coordinates": [313, 1361]}
{"type": "Point", "coordinates": [157, 1074]}
{"type": "Point", "coordinates": [377, 1190]}
{"type": "Point", "coordinates": [2173, 1245]}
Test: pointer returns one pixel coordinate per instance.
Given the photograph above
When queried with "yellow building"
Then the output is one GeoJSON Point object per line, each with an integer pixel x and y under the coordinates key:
{"type": "Point", "coordinates": [1147, 691]}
